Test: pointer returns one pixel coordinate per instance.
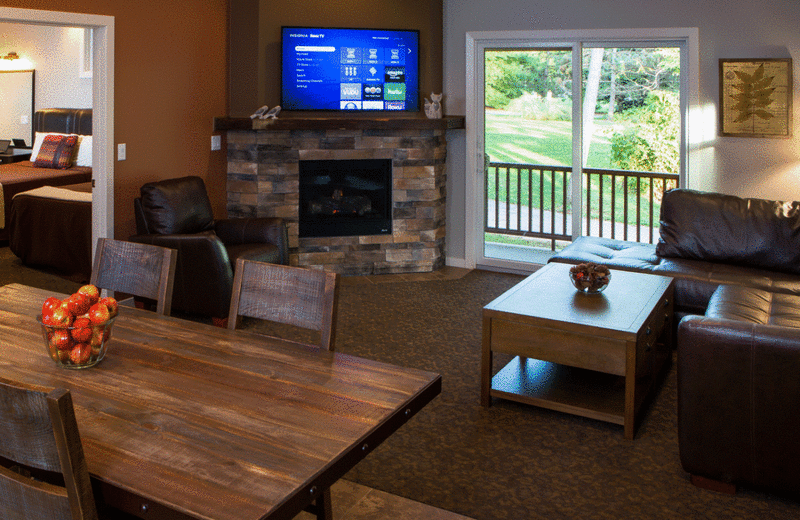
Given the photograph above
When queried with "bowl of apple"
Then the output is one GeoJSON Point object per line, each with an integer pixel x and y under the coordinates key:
{"type": "Point", "coordinates": [590, 278]}
{"type": "Point", "coordinates": [76, 329]}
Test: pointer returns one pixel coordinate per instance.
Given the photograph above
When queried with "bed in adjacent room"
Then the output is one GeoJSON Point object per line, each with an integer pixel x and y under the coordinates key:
{"type": "Point", "coordinates": [55, 159]}
{"type": "Point", "coordinates": [50, 227]}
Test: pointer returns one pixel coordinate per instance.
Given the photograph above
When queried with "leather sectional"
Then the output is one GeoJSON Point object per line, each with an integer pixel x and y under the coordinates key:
{"type": "Point", "coordinates": [736, 264]}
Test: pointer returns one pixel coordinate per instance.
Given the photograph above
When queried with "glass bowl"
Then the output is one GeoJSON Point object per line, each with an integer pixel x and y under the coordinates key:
{"type": "Point", "coordinates": [590, 279]}
{"type": "Point", "coordinates": [76, 347]}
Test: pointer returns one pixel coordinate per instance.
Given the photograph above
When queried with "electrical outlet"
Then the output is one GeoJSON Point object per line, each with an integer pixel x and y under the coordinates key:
{"type": "Point", "coordinates": [121, 152]}
{"type": "Point", "coordinates": [24, 120]}
{"type": "Point", "coordinates": [216, 142]}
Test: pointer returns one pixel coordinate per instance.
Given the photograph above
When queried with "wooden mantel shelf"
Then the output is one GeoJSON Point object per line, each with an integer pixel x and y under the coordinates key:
{"type": "Point", "coordinates": [223, 124]}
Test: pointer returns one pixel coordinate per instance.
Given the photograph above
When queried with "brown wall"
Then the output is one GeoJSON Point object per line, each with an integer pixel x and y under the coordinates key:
{"type": "Point", "coordinates": [255, 51]}
{"type": "Point", "coordinates": [171, 75]}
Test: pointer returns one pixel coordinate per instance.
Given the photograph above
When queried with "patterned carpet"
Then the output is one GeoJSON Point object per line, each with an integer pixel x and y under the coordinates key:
{"type": "Point", "coordinates": [514, 461]}
{"type": "Point", "coordinates": [509, 461]}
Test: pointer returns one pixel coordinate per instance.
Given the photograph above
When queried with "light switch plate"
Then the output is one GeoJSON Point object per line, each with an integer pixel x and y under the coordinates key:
{"type": "Point", "coordinates": [121, 152]}
{"type": "Point", "coordinates": [216, 142]}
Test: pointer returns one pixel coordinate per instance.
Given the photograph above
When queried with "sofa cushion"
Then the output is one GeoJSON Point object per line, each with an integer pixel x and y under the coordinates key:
{"type": "Point", "coordinates": [723, 228]}
{"type": "Point", "coordinates": [177, 206]}
{"type": "Point", "coordinates": [732, 302]}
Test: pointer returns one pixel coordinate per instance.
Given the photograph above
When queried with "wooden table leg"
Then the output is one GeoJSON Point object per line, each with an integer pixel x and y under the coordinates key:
{"type": "Point", "coordinates": [630, 391]}
{"type": "Point", "coordinates": [486, 363]}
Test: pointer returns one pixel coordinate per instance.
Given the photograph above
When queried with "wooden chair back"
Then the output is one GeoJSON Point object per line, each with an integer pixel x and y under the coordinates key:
{"type": "Point", "coordinates": [297, 296]}
{"type": "Point", "coordinates": [142, 270]}
{"type": "Point", "coordinates": [40, 440]}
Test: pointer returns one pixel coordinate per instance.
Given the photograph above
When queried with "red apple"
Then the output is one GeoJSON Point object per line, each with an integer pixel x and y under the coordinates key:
{"type": "Point", "coordinates": [98, 313]}
{"type": "Point", "coordinates": [80, 353]}
{"type": "Point", "coordinates": [61, 339]}
{"type": "Point", "coordinates": [82, 330]}
{"type": "Point", "coordinates": [111, 303]}
{"type": "Point", "coordinates": [91, 292]}
{"type": "Point", "coordinates": [63, 355]}
{"type": "Point", "coordinates": [49, 305]}
{"type": "Point", "coordinates": [97, 337]}
{"type": "Point", "coordinates": [61, 317]}
{"type": "Point", "coordinates": [78, 304]}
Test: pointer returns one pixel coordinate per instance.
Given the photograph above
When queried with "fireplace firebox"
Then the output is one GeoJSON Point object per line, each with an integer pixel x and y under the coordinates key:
{"type": "Point", "coordinates": [345, 197]}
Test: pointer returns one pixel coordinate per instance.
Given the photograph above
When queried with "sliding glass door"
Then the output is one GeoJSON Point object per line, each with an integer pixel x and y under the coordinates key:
{"type": "Point", "coordinates": [572, 138]}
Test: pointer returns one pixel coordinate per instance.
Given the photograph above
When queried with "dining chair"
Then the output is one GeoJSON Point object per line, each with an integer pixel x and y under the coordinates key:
{"type": "Point", "coordinates": [43, 473]}
{"type": "Point", "coordinates": [297, 296]}
{"type": "Point", "coordinates": [136, 269]}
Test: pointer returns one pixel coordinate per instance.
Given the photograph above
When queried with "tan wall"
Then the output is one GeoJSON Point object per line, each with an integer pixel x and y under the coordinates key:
{"type": "Point", "coordinates": [255, 54]}
{"type": "Point", "coordinates": [170, 82]}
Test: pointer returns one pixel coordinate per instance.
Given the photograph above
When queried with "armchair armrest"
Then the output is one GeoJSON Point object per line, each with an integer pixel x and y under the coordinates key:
{"type": "Point", "coordinates": [738, 396]}
{"type": "Point", "coordinates": [201, 256]}
{"type": "Point", "coordinates": [237, 231]}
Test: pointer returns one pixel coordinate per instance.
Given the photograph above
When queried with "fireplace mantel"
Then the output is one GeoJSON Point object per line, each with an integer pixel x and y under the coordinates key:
{"type": "Point", "coordinates": [263, 181]}
{"type": "Point", "coordinates": [355, 122]}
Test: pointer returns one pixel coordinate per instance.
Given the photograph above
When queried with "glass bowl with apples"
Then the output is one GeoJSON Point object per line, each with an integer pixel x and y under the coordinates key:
{"type": "Point", "coordinates": [76, 329]}
{"type": "Point", "coordinates": [590, 278]}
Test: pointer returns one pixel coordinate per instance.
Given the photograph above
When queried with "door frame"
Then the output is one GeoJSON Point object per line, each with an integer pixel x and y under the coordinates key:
{"type": "Point", "coordinates": [102, 104]}
{"type": "Point", "coordinates": [477, 41]}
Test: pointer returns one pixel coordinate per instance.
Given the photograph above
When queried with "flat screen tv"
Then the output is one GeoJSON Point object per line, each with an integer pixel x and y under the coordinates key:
{"type": "Point", "coordinates": [349, 69]}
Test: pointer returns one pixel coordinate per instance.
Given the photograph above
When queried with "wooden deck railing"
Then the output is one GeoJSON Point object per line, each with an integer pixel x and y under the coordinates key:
{"type": "Point", "coordinates": [533, 200]}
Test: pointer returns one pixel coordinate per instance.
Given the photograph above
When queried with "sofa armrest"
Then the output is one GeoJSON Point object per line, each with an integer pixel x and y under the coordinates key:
{"type": "Point", "coordinates": [738, 396]}
{"type": "Point", "coordinates": [237, 231]}
{"type": "Point", "coordinates": [201, 256]}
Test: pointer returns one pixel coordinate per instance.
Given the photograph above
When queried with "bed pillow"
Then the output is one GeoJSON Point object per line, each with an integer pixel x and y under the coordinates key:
{"type": "Point", "coordinates": [56, 151]}
{"type": "Point", "coordinates": [37, 143]}
{"type": "Point", "coordinates": [84, 154]}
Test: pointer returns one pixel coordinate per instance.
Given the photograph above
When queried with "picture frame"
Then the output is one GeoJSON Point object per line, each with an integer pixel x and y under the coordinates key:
{"type": "Point", "coordinates": [755, 97]}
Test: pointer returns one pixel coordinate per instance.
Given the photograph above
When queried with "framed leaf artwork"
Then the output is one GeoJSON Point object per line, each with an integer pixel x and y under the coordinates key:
{"type": "Point", "coordinates": [755, 98]}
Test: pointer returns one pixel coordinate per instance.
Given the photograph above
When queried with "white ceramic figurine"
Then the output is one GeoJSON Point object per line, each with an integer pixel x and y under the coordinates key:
{"type": "Point", "coordinates": [433, 107]}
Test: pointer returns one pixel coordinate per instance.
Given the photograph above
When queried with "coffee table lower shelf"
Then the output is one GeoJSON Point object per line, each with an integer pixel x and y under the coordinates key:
{"type": "Point", "coordinates": [577, 391]}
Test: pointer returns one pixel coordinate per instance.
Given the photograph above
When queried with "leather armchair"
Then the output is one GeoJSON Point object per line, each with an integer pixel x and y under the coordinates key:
{"type": "Point", "coordinates": [176, 213]}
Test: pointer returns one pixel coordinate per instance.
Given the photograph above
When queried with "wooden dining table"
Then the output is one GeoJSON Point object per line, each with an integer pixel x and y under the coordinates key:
{"type": "Point", "coordinates": [187, 420]}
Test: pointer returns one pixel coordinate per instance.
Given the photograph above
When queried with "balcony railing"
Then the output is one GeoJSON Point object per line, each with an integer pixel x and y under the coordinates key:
{"type": "Point", "coordinates": [534, 200]}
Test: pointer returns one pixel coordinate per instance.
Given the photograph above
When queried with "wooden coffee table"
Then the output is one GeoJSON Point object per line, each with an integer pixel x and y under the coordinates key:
{"type": "Point", "coordinates": [598, 356]}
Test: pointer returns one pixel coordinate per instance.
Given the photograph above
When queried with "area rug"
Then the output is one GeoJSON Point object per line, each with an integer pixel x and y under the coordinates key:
{"type": "Point", "coordinates": [513, 461]}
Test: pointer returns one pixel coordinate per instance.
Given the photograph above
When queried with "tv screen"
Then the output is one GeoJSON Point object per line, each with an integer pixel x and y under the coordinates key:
{"type": "Point", "coordinates": [349, 69]}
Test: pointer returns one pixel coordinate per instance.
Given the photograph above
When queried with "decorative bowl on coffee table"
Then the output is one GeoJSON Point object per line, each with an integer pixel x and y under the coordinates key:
{"type": "Point", "coordinates": [590, 278]}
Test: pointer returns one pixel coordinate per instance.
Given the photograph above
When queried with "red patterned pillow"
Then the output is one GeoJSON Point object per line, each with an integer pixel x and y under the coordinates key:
{"type": "Point", "coordinates": [57, 151]}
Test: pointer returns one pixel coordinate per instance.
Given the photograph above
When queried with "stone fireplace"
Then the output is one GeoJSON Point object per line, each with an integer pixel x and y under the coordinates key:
{"type": "Point", "coordinates": [264, 180]}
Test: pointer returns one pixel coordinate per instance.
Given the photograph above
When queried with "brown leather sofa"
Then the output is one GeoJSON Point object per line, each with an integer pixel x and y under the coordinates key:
{"type": "Point", "coordinates": [736, 264]}
{"type": "Point", "coordinates": [176, 213]}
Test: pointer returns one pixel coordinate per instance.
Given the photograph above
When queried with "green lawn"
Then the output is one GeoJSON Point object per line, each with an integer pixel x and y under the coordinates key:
{"type": "Point", "coordinates": [515, 140]}
{"type": "Point", "coordinates": [510, 139]}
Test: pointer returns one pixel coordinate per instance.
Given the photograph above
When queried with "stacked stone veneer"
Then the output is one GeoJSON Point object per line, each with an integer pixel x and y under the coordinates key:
{"type": "Point", "coordinates": [263, 181]}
